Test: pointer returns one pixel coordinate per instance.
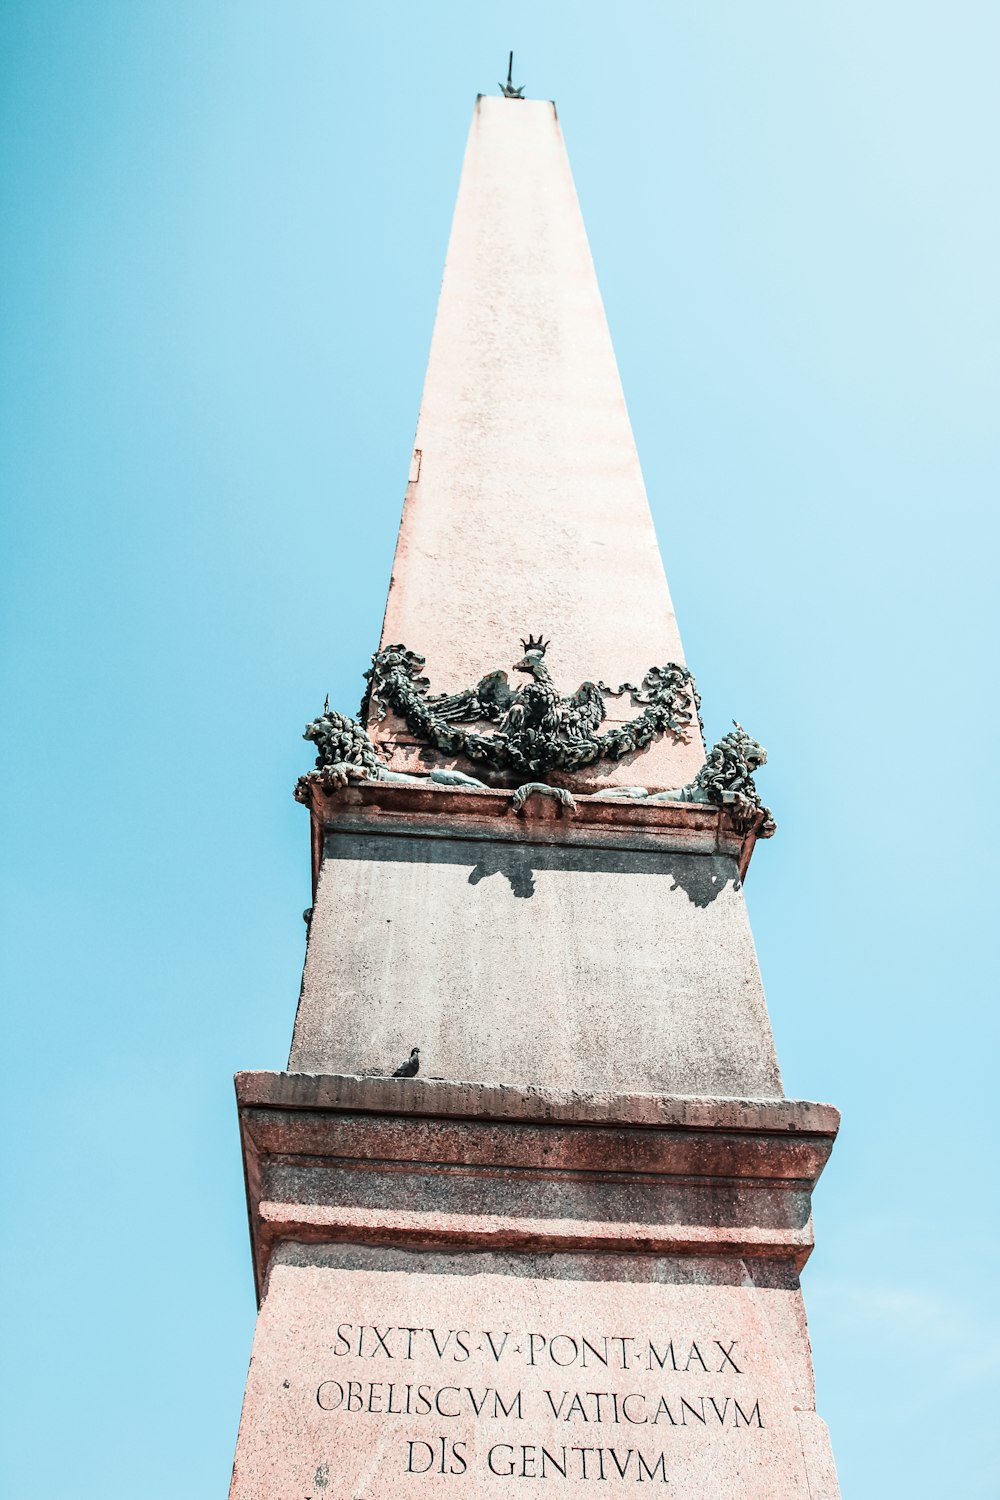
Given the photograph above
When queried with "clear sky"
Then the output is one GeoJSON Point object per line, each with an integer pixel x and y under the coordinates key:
{"type": "Point", "coordinates": [223, 226]}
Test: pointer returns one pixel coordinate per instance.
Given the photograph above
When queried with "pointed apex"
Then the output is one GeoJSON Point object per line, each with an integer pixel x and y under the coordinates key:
{"type": "Point", "coordinates": [507, 89]}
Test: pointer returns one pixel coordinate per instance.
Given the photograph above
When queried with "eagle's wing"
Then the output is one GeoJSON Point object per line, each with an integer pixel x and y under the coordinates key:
{"type": "Point", "coordinates": [494, 696]}
{"type": "Point", "coordinates": [587, 710]}
{"type": "Point", "coordinates": [454, 706]}
{"type": "Point", "coordinates": [489, 699]}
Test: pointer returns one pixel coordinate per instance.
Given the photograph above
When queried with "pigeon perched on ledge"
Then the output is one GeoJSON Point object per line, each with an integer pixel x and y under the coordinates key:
{"type": "Point", "coordinates": [408, 1069]}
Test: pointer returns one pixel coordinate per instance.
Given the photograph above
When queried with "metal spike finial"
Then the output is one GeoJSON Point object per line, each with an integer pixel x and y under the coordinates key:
{"type": "Point", "coordinates": [507, 89]}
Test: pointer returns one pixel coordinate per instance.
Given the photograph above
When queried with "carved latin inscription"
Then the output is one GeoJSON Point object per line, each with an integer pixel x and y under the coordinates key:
{"type": "Point", "coordinates": [604, 1409]}
{"type": "Point", "coordinates": [375, 1384]}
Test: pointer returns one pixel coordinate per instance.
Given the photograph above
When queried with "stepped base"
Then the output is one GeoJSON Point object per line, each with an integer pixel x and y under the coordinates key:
{"type": "Point", "coordinates": [464, 1285]}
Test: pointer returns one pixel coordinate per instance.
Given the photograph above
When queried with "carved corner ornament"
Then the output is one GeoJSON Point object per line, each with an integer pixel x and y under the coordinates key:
{"type": "Point", "coordinates": [726, 779]}
{"type": "Point", "coordinates": [538, 729]}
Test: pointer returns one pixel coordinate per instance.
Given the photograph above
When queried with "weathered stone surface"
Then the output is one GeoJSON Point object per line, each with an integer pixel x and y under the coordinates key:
{"type": "Point", "coordinates": [358, 1094]}
{"type": "Point", "coordinates": [572, 967]}
{"type": "Point", "coordinates": [469, 1374]}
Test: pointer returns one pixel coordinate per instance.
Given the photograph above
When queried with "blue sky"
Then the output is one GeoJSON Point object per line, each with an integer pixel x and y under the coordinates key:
{"type": "Point", "coordinates": [223, 228]}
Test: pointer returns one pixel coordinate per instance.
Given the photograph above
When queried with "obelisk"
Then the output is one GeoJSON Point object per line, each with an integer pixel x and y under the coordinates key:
{"type": "Point", "coordinates": [564, 1244]}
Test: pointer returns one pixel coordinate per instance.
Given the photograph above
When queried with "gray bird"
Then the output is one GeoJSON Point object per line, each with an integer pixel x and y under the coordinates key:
{"type": "Point", "coordinates": [408, 1069]}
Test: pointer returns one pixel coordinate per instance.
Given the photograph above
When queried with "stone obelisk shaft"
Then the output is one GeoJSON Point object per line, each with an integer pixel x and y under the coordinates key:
{"type": "Point", "coordinates": [568, 1250]}
{"type": "Point", "coordinates": [530, 949]}
{"type": "Point", "coordinates": [526, 509]}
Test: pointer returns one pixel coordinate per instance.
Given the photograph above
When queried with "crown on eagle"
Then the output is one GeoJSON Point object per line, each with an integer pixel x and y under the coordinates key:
{"type": "Point", "coordinates": [535, 643]}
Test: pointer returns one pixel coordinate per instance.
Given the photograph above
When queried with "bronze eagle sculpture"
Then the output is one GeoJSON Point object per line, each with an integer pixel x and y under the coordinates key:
{"type": "Point", "coordinates": [538, 728]}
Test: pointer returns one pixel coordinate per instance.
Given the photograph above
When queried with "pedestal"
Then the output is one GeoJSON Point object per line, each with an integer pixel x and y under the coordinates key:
{"type": "Point", "coordinates": [464, 1287]}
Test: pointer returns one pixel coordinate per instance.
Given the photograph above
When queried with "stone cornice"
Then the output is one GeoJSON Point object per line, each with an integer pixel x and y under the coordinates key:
{"type": "Point", "coordinates": [430, 1163]}
{"type": "Point", "coordinates": [432, 811]}
{"type": "Point", "coordinates": [499, 1101]}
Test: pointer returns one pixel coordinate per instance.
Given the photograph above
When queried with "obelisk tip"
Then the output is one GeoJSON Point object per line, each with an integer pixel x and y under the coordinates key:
{"type": "Point", "coordinates": [507, 89]}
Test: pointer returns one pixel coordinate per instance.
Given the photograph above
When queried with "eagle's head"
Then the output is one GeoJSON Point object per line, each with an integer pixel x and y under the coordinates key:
{"type": "Point", "coordinates": [533, 659]}
{"type": "Point", "coordinates": [531, 662]}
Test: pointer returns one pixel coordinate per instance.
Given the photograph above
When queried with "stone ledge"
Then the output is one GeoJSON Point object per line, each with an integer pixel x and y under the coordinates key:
{"type": "Point", "coordinates": [432, 811]}
{"type": "Point", "coordinates": [499, 1101]}
{"type": "Point", "coordinates": [430, 1163]}
{"type": "Point", "coordinates": [312, 1223]}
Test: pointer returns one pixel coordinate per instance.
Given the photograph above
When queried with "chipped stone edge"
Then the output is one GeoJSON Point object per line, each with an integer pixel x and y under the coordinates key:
{"type": "Point", "coordinates": [499, 1101]}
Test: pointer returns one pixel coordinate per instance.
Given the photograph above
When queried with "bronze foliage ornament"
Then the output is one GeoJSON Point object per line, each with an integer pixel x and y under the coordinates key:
{"type": "Point", "coordinates": [725, 780]}
{"type": "Point", "coordinates": [345, 753]}
{"type": "Point", "coordinates": [538, 729]}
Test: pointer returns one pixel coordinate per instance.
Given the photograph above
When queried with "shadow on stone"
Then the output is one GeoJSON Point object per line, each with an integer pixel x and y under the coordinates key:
{"type": "Point", "coordinates": [512, 862]}
{"type": "Point", "coordinates": [701, 879]}
{"type": "Point", "coordinates": [667, 1270]}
